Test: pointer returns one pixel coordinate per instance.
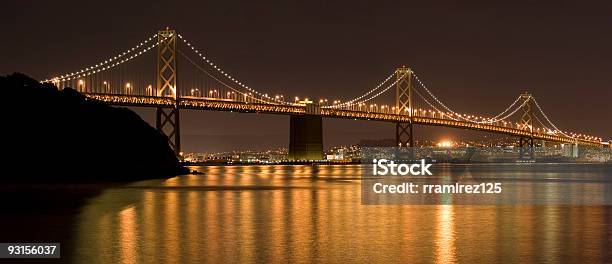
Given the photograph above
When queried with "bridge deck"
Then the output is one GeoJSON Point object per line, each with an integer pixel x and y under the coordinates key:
{"type": "Point", "coordinates": [216, 104]}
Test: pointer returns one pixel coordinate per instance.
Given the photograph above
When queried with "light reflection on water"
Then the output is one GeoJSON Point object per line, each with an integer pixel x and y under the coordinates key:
{"type": "Point", "coordinates": [314, 214]}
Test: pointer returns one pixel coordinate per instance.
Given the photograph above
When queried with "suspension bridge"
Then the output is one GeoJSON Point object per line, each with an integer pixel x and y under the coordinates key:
{"type": "Point", "coordinates": [144, 78]}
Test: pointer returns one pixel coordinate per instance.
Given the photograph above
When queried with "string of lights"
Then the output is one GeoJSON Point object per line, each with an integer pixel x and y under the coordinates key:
{"type": "Point", "coordinates": [371, 97]}
{"type": "Point", "coordinates": [88, 73]}
{"type": "Point", "coordinates": [350, 102]}
{"type": "Point", "coordinates": [241, 88]}
{"type": "Point", "coordinates": [564, 133]}
{"type": "Point", "coordinates": [241, 84]}
{"type": "Point", "coordinates": [84, 71]}
{"type": "Point", "coordinates": [430, 104]}
{"type": "Point", "coordinates": [494, 119]}
{"type": "Point", "coordinates": [548, 120]}
{"type": "Point", "coordinates": [515, 110]}
{"type": "Point", "coordinates": [546, 129]}
{"type": "Point", "coordinates": [506, 110]}
{"type": "Point", "coordinates": [220, 81]}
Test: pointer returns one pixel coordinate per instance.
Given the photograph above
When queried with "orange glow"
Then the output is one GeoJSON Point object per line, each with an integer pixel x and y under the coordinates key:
{"type": "Point", "coordinates": [445, 144]}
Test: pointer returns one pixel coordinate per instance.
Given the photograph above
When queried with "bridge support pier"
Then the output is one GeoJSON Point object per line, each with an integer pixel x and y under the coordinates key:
{"type": "Point", "coordinates": [404, 134]}
{"type": "Point", "coordinates": [575, 150]}
{"type": "Point", "coordinates": [167, 123]}
{"type": "Point", "coordinates": [526, 148]}
{"type": "Point", "coordinates": [306, 137]}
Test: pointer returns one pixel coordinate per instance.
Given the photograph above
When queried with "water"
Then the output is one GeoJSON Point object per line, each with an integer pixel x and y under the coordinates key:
{"type": "Point", "coordinates": [281, 214]}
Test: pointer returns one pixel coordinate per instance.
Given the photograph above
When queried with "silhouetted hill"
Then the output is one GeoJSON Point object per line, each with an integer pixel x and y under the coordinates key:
{"type": "Point", "coordinates": [54, 135]}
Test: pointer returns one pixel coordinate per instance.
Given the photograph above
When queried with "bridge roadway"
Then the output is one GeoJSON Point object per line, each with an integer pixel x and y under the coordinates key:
{"type": "Point", "coordinates": [216, 104]}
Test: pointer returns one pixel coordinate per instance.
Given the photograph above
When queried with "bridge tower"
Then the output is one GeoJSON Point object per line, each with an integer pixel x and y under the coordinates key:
{"type": "Point", "coordinates": [403, 105]}
{"type": "Point", "coordinates": [167, 119]}
{"type": "Point", "coordinates": [526, 146]}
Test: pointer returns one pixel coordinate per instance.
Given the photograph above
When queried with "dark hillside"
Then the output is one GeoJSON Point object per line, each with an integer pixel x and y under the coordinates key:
{"type": "Point", "coordinates": [52, 135]}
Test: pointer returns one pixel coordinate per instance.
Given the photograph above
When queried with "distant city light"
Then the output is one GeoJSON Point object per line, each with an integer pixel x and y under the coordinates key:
{"type": "Point", "coordinates": [445, 144]}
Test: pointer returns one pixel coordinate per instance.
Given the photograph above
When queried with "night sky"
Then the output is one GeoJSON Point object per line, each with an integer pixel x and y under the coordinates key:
{"type": "Point", "coordinates": [477, 57]}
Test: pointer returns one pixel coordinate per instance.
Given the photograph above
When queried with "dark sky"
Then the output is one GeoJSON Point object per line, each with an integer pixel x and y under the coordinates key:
{"type": "Point", "coordinates": [476, 56]}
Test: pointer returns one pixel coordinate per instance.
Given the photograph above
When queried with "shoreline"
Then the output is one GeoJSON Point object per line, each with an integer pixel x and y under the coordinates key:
{"type": "Point", "coordinates": [517, 162]}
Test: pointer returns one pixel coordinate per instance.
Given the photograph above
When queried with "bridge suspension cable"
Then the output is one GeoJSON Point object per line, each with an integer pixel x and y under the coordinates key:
{"type": "Point", "coordinates": [548, 120]}
{"type": "Point", "coordinates": [491, 120]}
{"type": "Point", "coordinates": [218, 69]}
{"type": "Point", "coordinates": [430, 104]}
{"type": "Point", "coordinates": [102, 65]}
{"type": "Point", "coordinates": [352, 101]}
{"type": "Point", "coordinates": [514, 111]}
{"type": "Point", "coordinates": [127, 80]}
{"type": "Point", "coordinates": [546, 129]}
{"type": "Point", "coordinates": [105, 68]}
{"type": "Point", "coordinates": [219, 80]}
{"type": "Point", "coordinates": [506, 110]}
{"type": "Point", "coordinates": [373, 96]}
{"type": "Point", "coordinates": [440, 102]}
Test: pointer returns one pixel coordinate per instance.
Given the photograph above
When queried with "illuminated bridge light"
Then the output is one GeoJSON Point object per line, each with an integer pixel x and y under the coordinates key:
{"type": "Point", "coordinates": [434, 112]}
